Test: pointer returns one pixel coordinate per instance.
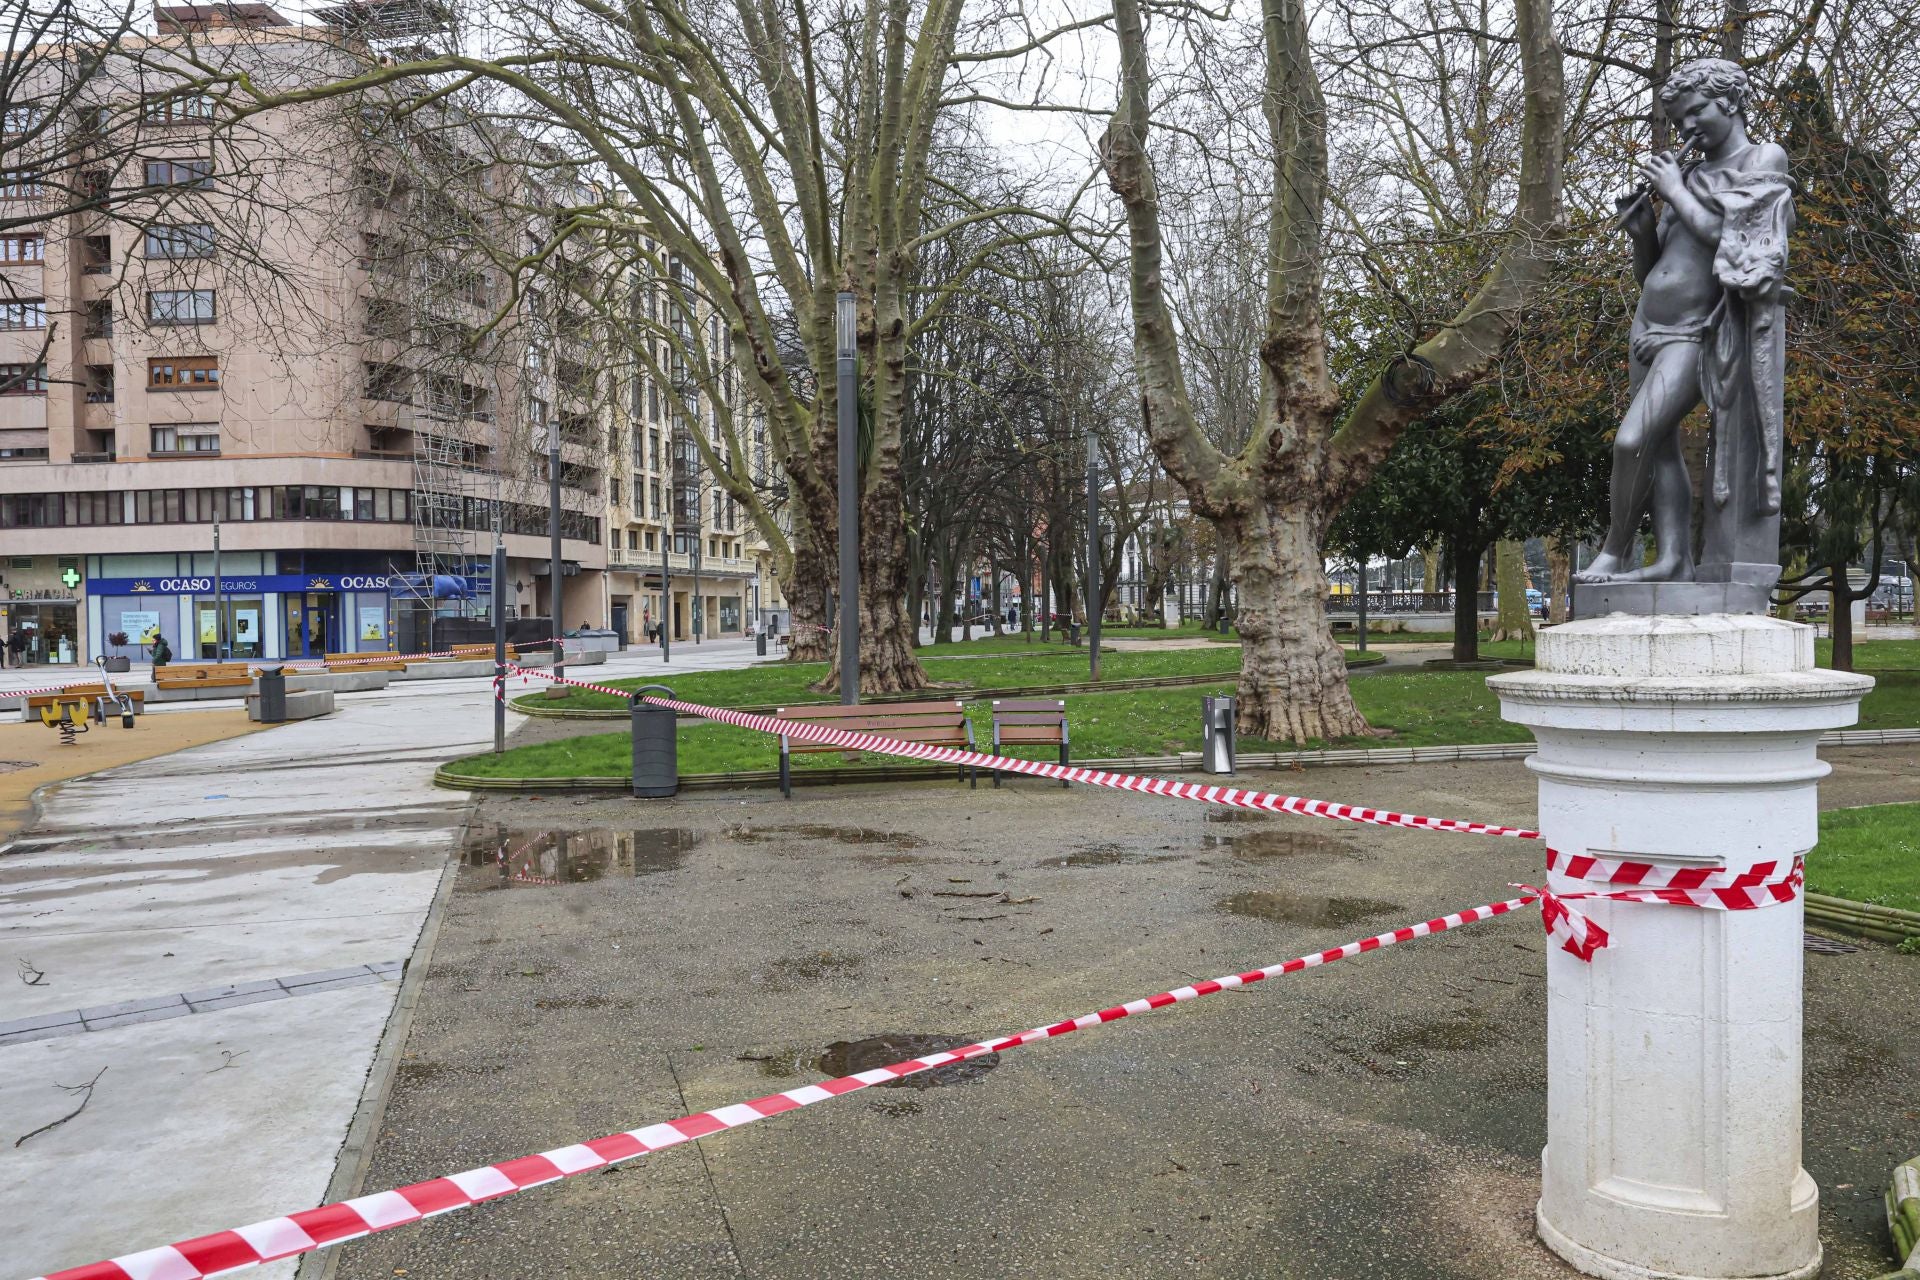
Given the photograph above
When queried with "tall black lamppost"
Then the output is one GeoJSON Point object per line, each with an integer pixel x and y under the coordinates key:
{"type": "Point", "coordinates": [848, 362]}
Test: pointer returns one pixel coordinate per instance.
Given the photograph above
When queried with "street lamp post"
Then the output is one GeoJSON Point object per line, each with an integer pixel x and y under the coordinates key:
{"type": "Point", "coordinates": [219, 602]}
{"type": "Point", "coordinates": [848, 427]}
{"type": "Point", "coordinates": [1093, 556]}
{"type": "Point", "coordinates": [558, 567]}
{"type": "Point", "coordinates": [499, 643]}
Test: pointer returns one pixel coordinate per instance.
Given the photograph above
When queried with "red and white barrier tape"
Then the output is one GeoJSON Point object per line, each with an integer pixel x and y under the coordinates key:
{"type": "Point", "coordinates": [310, 1229]}
{"type": "Point", "coordinates": [1713, 888]}
{"type": "Point", "coordinates": [1233, 797]}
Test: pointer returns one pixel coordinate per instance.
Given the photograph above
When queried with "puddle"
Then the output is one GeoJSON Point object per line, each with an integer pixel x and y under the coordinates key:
{"type": "Point", "coordinates": [1236, 815]}
{"type": "Point", "coordinates": [1102, 855]}
{"type": "Point", "coordinates": [1259, 846]}
{"type": "Point", "coordinates": [1454, 1034]}
{"type": "Point", "coordinates": [847, 1057]}
{"type": "Point", "coordinates": [742, 834]}
{"type": "Point", "coordinates": [574, 857]}
{"type": "Point", "coordinates": [1304, 908]}
{"type": "Point", "coordinates": [793, 972]}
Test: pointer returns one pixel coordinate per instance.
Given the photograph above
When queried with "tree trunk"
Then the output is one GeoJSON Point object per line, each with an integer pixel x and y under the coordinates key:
{"type": "Point", "coordinates": [1840, 618]}
{"type": "Point", "coordinates": [993, 587]}
{"type": "Point", "coordinates": [1559, 579]}
{"type": "Point", "coordinates": [1430, 575]}
{"type": "Point", "coordinates": [1216, 589]}
{"type": "Point", "coordinates": [943, 597]}
{"type": "Point", "coordinates": [1046, 595]}
{"type": "Point", "coordinates": [1466, 604]}
{"type": "Point", "coordinates": [811, 639]}
{"type": "Point", "coordinates": [1515, 621]}
{"type": "Point", "coordinates": [1293, 675]}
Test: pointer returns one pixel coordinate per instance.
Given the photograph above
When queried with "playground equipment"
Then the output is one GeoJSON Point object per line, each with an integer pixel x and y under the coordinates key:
{"type": "Point", "coordinates": [119, 699]}
{"type": "Point", "coordinates": [61, 715]}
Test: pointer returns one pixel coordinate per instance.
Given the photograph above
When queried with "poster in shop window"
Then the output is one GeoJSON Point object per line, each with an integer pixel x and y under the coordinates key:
{"type": "Point", "coordinates": [373, 622]}
{"type": "Point", "coordinates": [140, 625]}
{"type": "Point", "coordinates": [209, 627]}
{"type": "Point", "coordinates": [246, 626]}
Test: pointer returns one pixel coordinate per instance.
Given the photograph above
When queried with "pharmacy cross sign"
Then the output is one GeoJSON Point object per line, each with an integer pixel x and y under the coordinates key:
{"type": "Point", "coordinates": [70, 576]}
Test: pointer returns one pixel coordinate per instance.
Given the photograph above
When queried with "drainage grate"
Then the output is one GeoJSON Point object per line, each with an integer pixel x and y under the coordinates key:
{"type": "Point", "coordinates": [1828, 946]}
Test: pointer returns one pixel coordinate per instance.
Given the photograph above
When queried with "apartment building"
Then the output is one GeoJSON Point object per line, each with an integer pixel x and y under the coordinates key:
{"type": "Point", "coordinates": [239, 408]}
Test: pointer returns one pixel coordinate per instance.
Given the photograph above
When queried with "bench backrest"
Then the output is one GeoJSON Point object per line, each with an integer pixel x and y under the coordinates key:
{"type": "Point", "coordinates": [1029, 720]}
{"type": "Point", "coordinates": [939, 722]}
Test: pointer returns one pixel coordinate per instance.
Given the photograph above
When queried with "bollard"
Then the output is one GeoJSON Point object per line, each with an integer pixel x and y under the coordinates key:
{"type": "Point", "coordinates": [656, 746]}
{"type": "Point", "coordinates": [1216, 734]}
{"type": "Point", "coordinates": [273, 695]}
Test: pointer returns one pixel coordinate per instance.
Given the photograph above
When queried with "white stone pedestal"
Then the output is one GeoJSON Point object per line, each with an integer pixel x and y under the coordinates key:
{"type": "Point", "coordinates": [1673, 1059]}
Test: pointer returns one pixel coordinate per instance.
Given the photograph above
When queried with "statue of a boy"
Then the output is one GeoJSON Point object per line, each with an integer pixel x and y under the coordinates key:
{"type": "Point", "coordinates": [1709, 327]}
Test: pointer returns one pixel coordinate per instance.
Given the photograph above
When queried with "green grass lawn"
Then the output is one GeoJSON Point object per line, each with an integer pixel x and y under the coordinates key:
{"type": "Point", "coordinates": [1870, 854]}
{"type": "Point", "coordinates": [1421, 708]}
{"type": "Point", "coordinates": [787, 682]}
{"type": "Point", "coordinates": [1869, 655]}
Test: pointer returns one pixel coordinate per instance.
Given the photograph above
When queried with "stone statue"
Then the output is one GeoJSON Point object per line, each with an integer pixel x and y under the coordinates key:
{"type": "Point", "coordinates": [1710, 326]}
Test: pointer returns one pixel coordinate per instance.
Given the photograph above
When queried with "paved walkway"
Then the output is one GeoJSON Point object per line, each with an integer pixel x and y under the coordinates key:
{"type": "Point", "coordinates": [214, 939]}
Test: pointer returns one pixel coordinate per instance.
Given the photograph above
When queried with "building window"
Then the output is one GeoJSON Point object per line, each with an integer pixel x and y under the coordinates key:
{"type": "Point", "coordinates": [184, 373]}
{"type": "Point", "coordinates": [653, 487]}
{"type": "Point", "coordinates": [23, 248]}
{"type": "Point", "coordinates": [653, 450]}
{"type": "Point", "coordinates": [180, 173]}
{"type": "Point", "coordinates": [19, 184]}
{"type": "Point", "coordinates": [21, 119]}
{"type": "Point", "coordinates": [177, 108]}
{"type": "Point", "coordinates": [388, 382]}
{"type": "Point", "coordinates": [180, 240]}
{"type": "Point", "coordinates": [23, 379]}
{"type": "Point", "coordinates": [99, 318]}
{"type": "Point", "coordinates": [649, 541]}
{"type": "Point", "coordinates": [99, 385]}
{"type": "Point", "coordinates": [96, 255]}
{"type": "Point", "coordinates": [187, 437]}
{"type": "Point", "coordinates": [28, 313]}
{"type": "Point", "coordinates": [180, 306]}
{"type": "Point", "coordinates": [613, 490]}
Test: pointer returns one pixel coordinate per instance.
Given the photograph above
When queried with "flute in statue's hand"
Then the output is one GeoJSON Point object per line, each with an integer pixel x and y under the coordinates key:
{"type": "Point", "coordinates": [1634, 210]}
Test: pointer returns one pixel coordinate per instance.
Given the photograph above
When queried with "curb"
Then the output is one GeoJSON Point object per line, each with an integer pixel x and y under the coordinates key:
{"type": "Point", "coordinates": [355, 1160]}
{"type": "Point", "coordinates": [1865, 919]}
{"type": "Point", "coordinates": [1903, 1216]}
{"type": "Point", "coordinates": [1186, 762]}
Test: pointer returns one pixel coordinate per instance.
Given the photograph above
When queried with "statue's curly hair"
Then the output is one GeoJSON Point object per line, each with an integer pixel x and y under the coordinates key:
{"type": "Point", "coordinates": [1710, 78]}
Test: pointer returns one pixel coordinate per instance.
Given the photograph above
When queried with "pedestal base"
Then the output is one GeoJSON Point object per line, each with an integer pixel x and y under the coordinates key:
{"type": "Point", "coordinates": [1588, 1262]}
{"type": "Point", "coordinates": [1673, 1058]}
{"type": "Point", "coordinates": [1675, 599]}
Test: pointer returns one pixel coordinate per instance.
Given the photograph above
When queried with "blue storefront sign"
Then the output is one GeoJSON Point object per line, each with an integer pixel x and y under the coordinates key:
{"type": "Point", "coordinates": [202, 584]}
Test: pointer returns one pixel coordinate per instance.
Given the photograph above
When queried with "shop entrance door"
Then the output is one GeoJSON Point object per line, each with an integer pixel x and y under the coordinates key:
{"type": "Point", "coordinates": [313, 625]}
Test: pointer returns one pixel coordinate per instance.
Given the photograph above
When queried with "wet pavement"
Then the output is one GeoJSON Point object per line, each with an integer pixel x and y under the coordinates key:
{"type": "Point", "coordinates": [1378, 1118]}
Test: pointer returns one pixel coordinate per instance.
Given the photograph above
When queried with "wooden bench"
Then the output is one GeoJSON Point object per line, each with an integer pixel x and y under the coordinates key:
{"type": "Point", "coordinates": [365, 662]}
{"type": "Point", "coordinates": [1030, 721]}
{"type": "Point", "coordinates": [202, 675]}
{"type": "Point", "coordinates": [942, 724]}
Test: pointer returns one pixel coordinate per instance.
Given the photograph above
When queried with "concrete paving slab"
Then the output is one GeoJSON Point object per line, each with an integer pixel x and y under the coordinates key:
{"type": "Point", "coordinates": [1378, 1118]}
{"type": "Point", "coordinates": [197, 1124]}
{"type": "Point", "coordinates": [310, 851]}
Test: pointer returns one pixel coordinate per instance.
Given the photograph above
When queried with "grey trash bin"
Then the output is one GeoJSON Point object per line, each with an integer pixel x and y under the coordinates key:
{"type": "Point", "coordinates": [656, 746]}
{"type": "Point", "coordinates": [273, 695]}
{"type": "Point", "coordinates": [760, 644]}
